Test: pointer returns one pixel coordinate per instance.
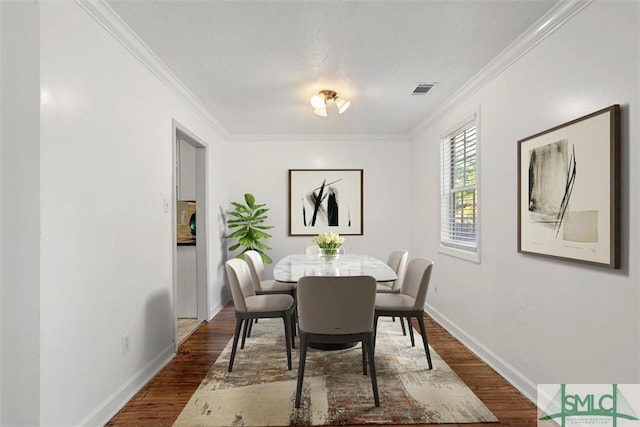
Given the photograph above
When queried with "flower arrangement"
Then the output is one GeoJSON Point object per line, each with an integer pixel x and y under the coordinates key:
{"type": "Point", "coordinates": [328, 240]}
{"type": "Point", "coordinates": [329, 244]}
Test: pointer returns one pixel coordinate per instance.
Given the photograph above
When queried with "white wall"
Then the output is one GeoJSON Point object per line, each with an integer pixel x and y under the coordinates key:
{"type": "Point", "coordinates": [20, 230]}
{"type": "Point", "coordinates": [107, 243]}
{"type": "Point", "coordinates": [262, 168]}
{"type": "Point", "coordinates": [541, 320]}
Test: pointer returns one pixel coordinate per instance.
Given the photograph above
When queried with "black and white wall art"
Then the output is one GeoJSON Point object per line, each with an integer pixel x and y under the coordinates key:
{"type": "Point", "coordinates": [323, 200]}
{"type": "Point", "coordinates": [568, 190]}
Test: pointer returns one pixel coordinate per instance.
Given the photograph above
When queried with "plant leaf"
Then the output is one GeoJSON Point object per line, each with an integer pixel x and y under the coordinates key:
{"type": "Point", "coordinates": [248, 197]}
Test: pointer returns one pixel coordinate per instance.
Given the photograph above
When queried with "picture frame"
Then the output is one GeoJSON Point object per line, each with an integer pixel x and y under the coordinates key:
{"type": "Point", "coordinates": [569, 190]}
{"type": "Point", "coordinates": [322, 200]}
{"type": "Point", "coordinates": [186, 223]}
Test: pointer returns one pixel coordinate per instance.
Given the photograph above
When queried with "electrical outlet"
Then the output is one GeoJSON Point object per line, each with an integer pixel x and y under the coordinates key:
{"type": "Point", "coordinates": [125, 343]}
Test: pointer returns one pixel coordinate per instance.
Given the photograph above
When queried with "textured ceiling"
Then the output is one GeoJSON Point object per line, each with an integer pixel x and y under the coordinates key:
{"type": "Point", "coordinates": [255, 64]}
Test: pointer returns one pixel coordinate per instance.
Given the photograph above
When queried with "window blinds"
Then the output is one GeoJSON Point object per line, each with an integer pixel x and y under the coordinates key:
{"type": "Point", "coordinates": [459, 196]}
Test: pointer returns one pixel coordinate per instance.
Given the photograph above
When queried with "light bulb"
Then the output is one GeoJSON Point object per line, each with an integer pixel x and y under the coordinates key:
{"type": "Point", "coordinates": [318, 101]}
{"type": "Point", "coordinates": [342, 104]}
{"type": "Point", "coordinates": [322, 112]}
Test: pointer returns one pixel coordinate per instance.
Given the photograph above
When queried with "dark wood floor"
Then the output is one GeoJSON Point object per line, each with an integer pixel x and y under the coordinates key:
{"type": "Point", "coordinates": [160, 402]}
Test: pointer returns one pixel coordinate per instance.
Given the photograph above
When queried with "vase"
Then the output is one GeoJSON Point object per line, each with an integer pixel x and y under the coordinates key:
{"type": "Point", "coordinates": [330, 256]}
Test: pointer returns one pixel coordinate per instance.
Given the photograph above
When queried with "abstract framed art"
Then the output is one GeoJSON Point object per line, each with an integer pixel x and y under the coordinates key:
{"type": "Point", "coordinates": [323, 200]}
{"type": "Point", "coordinates": [569, 190]}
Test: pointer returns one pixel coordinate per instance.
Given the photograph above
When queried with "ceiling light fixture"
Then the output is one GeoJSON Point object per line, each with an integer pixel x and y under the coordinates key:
{"type": "Point", "coordinates": [319, 102]}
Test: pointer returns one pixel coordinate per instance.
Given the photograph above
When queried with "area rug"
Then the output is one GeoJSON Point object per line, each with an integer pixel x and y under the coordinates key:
{"type": "Point", "coordinates": [261, 391]}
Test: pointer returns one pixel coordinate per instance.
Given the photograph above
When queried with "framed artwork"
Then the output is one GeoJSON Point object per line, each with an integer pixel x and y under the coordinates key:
{"type": "Point", "coordinates": [569, 190]}
{"type": "Point", "coordinates": [186, 219]}
{"type": "Point", "coordinates": [322, 200]}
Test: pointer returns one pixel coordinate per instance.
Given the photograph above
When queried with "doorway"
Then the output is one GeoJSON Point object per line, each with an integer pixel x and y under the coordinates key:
{"type": "Point", "coordinates": [190, 266]}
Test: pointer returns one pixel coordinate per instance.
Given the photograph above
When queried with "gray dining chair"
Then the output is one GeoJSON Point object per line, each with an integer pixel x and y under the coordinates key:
{"type": "Point", "coordinates": [409, 302]}
{"type": "Point", "coordinates": [249, 306]}
{"type": "Point", "coordinates": [336, 310]}
{"type": "Point", "coordinates": [398, 262]}
{"type": "Point", "coordinates": [261, 284]}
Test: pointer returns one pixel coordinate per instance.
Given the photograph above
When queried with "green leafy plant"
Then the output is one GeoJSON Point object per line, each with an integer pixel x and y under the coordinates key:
{"type": "Point", "coordinates": [246, 224]}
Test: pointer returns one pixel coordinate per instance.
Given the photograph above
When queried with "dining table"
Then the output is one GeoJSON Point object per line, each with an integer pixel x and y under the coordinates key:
{"type": "Point", "coordinates": [292, 267]}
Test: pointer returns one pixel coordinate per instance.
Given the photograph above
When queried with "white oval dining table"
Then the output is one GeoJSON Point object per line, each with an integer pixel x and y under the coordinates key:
{"type": "Point", "coordinates": [292, 267]}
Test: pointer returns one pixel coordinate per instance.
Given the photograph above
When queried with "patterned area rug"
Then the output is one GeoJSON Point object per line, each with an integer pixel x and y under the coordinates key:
{"type": "Point", "coordinates": [261, 391]}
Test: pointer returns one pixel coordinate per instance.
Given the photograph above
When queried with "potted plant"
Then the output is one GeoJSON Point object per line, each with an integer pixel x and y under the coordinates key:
{"type": "Point", "coordinates": [246, 223]}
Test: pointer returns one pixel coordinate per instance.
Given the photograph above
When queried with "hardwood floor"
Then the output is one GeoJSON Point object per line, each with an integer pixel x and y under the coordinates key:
{"type": "Point", "coordinates": [160, 402]}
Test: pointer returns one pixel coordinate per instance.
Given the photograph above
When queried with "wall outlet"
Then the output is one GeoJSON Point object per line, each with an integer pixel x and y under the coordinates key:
{"type": "Point", "coordinates": [125, 343]}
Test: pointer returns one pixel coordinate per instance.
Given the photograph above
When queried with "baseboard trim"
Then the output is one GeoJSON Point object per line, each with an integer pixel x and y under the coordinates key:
{"type": "Point", "coordinates": [112, 404]}
{"type": "Point", "coordinates": [215, 310]}
{"type": "Point", "coordinates": [524, 385]}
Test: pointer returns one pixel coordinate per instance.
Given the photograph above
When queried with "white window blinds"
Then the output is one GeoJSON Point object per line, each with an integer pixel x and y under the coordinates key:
{"type": "Point", "coordinates": [459, 198]}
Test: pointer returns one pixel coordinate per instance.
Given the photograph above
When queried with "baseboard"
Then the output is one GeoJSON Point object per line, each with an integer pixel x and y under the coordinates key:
{"type": "Point", "coordinates": [215, 310]}
{"type": "Point", "coordinates": [524, 385]}
{"type": "Point", "coordinates": [111, 405]}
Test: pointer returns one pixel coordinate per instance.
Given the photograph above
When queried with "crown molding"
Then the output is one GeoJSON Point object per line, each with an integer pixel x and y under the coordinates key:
{"type": "Point", "coordinates": [319, 137]}
{"type": "Point", "coordinates": [102, 13]}
{"type": "Point", "coordinates": [545, 26]}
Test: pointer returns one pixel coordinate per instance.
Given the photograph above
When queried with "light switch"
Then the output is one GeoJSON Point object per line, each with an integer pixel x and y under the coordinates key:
{"type": "Point", "coordinates": [166, 205]}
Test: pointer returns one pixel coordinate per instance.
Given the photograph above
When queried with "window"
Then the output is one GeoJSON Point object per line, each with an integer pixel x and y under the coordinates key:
{"type": "Point", "coordinates": [459, 191]}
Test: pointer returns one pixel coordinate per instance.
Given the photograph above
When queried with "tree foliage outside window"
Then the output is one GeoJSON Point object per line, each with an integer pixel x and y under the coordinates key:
{"type": "Point", "coordinates": [459, 198]}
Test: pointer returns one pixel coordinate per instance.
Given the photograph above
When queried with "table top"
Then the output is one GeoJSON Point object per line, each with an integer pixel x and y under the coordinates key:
{"type": "Point", "coordinates": [293, 267]}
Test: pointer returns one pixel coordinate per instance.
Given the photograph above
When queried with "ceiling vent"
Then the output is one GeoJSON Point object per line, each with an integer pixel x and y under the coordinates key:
{"type": "Point", "coordinates": [422, 88]}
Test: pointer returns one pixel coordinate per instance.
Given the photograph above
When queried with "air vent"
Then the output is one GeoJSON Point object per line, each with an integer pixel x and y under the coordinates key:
{"type": "Point", "coordinates": [422, 88]}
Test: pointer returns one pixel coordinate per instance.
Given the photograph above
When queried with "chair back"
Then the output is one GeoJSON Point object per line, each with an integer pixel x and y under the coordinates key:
{"type": "Point", "coordinates": [336, 305]}
{"type": "Point", "coordinates": [398, 262]}
{"type": "Point", "coordinates": [312, 250]}
{"type": "Point", "coordinates": [240, 281]}
{"type": "Point", "coordinates": [416, 280]}
{"type": "Point", "coordinates": [256, 267]}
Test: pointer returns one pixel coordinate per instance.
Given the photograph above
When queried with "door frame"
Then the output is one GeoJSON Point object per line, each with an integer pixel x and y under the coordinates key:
{"type": "Point", "coordinates": [180, 132]}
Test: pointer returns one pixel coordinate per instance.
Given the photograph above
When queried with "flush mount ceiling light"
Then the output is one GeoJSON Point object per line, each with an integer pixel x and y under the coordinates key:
{"type": "Point", "coordinates": [319, 102]}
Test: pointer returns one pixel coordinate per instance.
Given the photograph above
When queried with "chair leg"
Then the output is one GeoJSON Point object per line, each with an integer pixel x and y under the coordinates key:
{"type": "Point", "coordinates": [245, 331]}
{"type": "Point", "coordinates": [293, 331]}
{"type": "Point", "coordinates": [404, 331]}
{"type": "Point", "coordinates": [287, 336]}
{"type": "Point", "coordinates": [368, 344]}
{"type": "Point", "coordinates": [410, 326]}
{"type": "Point", "coordinates": [301, 363]}
{"type": "Point", "coordinates": [236, 336]}
{"type": "Point", "coordinates": [251, 322]}
{"type": "Point", "coordinates": [375, 329]}
{"type": "Point", "coordinates": [364, 359]}
{"type": "Point", "coordinates": [423, 331]}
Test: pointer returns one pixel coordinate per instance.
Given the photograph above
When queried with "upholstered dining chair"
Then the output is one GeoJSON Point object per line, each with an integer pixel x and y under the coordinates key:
{"type": "Point", "coordinates": [398, 262]}
{"type": "Point", "coordinates": [409, 302]}
{"type": "Point", "coordinates": [334, 310]}
{"type": "Point", "coordinates": [249, 306]}
{"type": "Point", "coordinates": [312, 250]}
{"type": "Point", "coordinates": [261, 284]}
